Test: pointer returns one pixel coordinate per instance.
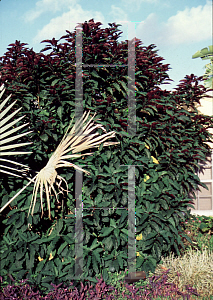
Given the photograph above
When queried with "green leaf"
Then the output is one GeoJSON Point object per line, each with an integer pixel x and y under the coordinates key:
{"type": "Point", "coordinates": [89, 259]}
{"type": "Point", "coordinates": [151, 111]}
{"type": "Point", "coordinates": [148, 266]}
{"type": "Point", "coordinates": [123, 85]}
{"type": "Point", "coordinates": [147, 153]}
{"type": "Point", "coordinates": [107, 169]}
{"type": "Point", "coordinates": [106, 231]}
{"type": "Point", "coordinates": [55, 137]}
{"type": "Point", "coordinates": [132, 154]}
{"type": "Point", "coordinates": [145, 216]}
{"type": "Point", "coordinates": [152, 261]}
{"type": "Point", "coordinates": [116, 86]}
{"type": "Point", "coordinates": [54, 82]}
{"type": "Point", "coordinates": [139, 261]}
{"type": "Point", "coordinates": [175, 184]}
{"type": "Point", "coordinates": [103, 156]}
{"type": "Point", "coordinates": [154, 226]}
{"type": "Point", "coordinates": [20, 253]}
{"type": "Point", "coordinates": [120, 261]}
{"type": "Point", "coordinates": [105, 275]}
{"type": "Point", "coordinates": [170, 112]}
{"type": "Point", "coordinates": [164, 204]}
{"type": "Point", "coordinates": [30, 264]}
{"type": "Point", "coordinates": [97, 255]}
{"type": "Point", "coordinates": [156, 186]}
{"type": "Point", "coordinates": [95, 74]}
{"type": "Point", "coordinates": [124, 133]}
{"type": "Point", "coordinates": [116, 232]}
{"type": "Point", "coordinates": [44, 137]}
{"type": "Point", "coordinates": [112, 223]}
{"type": "Point", "coordinates": [176, 248]}
{"type": "Point", "coordinates": [204, 227]}
{"type": "Point", "coordinates": [59, 225]}
{"type": "Point", "coordinates": [123, 217]}
{"type": "Point", "coordinates": [94, 245]}
{"type": "Point", "coordinates": [171, 220]}
{"type": "Point", "coordinates": [22, 236]}
{"type": "Point", "coordinates": [60, 112]}
{"type": "Point", "coordinates": [61, 248]}
{"type": "Point", "coordinates": [94, 262]}
{"type": "Point", "coordinates": [125, 231]}
{"type": "Point", "coordinates": [109, 188]}
{"type": "Point", "coordinates": [110, 90]}
{"type": "Point", "coordinates": [157, 250]}
{"type": "Point", "coordinates": [151, 235]}
{"type": "Point", "coordinates": [55, 271]}
{"type": "Point", "coordinates": [12, 219]}
{"type": "Point", "coordinates": [6, 240]}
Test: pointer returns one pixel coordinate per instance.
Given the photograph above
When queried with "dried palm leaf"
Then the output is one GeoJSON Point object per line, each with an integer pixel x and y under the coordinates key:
{"type": "Point", "coordinates": [77, 140]}
{"type": "Point", "coordinates": [5, 131]}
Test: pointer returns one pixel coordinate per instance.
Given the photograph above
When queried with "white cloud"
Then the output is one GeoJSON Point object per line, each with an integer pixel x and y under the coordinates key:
{"type": "Point", "coordinates": [118, 14]}
{"type": "Point", "coordinates": [136, 4]}
{"type": "Point", "coordinates": [191, 25]}
{"type": "Point", "coordinates": [186, 27]}
{"type": "Point", "coordinates": [149, 30]}
{"type": "Point", "coordinates": [139, 2]}
{"type": "Point", "coordinates": [43, 6]}
{"type": "Point", "coordinates": [67, 21]}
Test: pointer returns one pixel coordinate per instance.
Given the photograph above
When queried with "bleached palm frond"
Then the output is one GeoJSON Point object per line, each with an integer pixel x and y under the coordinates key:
{"type": "Point", "coordinates": [77, 140]}
{"type": "Point", "coordinates": [7, 129]}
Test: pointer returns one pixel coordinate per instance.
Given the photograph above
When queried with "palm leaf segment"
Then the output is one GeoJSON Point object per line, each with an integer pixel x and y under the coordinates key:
{"type": "Point", "coordinates": [77, 140]}
{"type": "Point", "coordinates": [5, 131]}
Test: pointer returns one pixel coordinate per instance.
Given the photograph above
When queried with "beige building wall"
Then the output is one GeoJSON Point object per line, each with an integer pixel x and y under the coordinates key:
{"type": "Point", "coordinates": [204, 198]}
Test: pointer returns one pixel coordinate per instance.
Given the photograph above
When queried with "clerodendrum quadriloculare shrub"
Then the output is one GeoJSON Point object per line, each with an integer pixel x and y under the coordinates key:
{"type": "Point", "coordinates": [169, 144]}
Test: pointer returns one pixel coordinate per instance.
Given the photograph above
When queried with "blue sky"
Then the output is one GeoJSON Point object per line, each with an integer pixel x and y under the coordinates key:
{"type": "Point", "coordinates": [178, 28]}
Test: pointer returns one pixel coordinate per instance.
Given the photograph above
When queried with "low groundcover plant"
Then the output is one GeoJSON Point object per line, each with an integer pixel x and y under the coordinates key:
{"type": "Point", "coordinates": [158, 286]}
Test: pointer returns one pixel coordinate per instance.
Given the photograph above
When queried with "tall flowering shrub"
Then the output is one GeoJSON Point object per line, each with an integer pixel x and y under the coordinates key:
{"type": "Point", "coordinates": [169, 144]}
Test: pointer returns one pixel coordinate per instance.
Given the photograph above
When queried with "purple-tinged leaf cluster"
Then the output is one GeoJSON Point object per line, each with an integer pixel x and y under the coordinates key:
{"type": "Point", "coordinates": [158, 286]}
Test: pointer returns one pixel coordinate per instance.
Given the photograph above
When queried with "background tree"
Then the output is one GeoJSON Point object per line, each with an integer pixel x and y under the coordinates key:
{"type": "Point", "coordinates": [206, 53]}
